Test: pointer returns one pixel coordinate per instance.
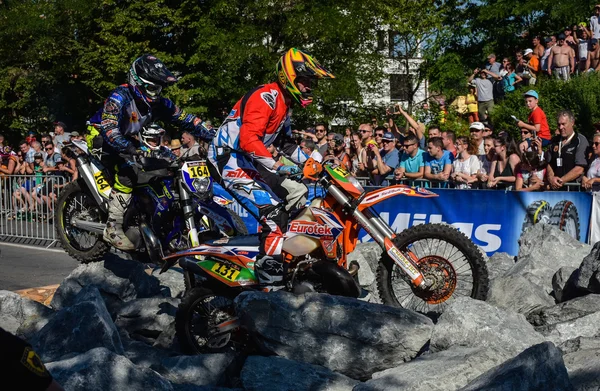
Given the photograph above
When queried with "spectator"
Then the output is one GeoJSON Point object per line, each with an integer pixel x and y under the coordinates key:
{"type": "Point", "coordinates": [485, 93]}
{"type": "Point", "coordinates": [51, 157]}
{"type": "Point", "coordinates": [45, 139]}
{"type": "Point", "coordinates": [530, 173]}
{"type": "Point", "coordinates": [561, 60]}
{"type": "Point", "coordinates": [356, 152]}
{"type": "Point", "coordinates": [76, 136]}
{"type": "Point", "coordinates": [510, 79]}
{"type": "Point", "coordinates": [60, 134]}
{"type": "Point", "coordinates": [434, 131]}
{"type": "Point", "coordinates": [537, 122]}
{"type": "Point", "coordinates": [8, 161]}
{"type": "Point", "coordinates": [593, 61]}
{"type": "Point", "coordinates": [70, 166]}
{"type": "Point", "coordinates": [37, 148]}
{"type": "Point", "coordinates": [566, 154]}
{"type": "Point", "coordinates": [438, 163]}
{"type": "Point", "coordinates": [485, 161]}
{"type": "Point", "coordinates": [488, 129]}
{"type": "Point", "coordinates": [520, 68]}
{"type": "Point", "coordinates": [385, 161]}
{"type": "Point", "coordinates": [2, 140]}
{"type": "Point", "coordinates": [30, 137]}
{"type": "Point", "coordinates": [22, 201]}
{"type": "Point", "coordinates": [28, 152]}
{"type": "Point", "coordinates": [176, 147]}
{"type": "Point", "coordinates": [502, 170]}
{"type": "Point", "coordinates": [412, 165]}
{"type": "Point", "coordinates": [594, 22]}
{"type": "Point", "coordinates": [337, 151]}
{"type": "Point", "coordinates": [166, 140]}
{"type": "Point", "coordinates": [492, 65]}
{"type": "Point", "coordinates": [532, 67]}
{"type": "Point", "coordinates": [321, 134]}
{"type": "Point", "coordinates": [190, 146]}
{"type": "Point", "coordinates": [544, 59]}
{"type": "Point", "coordinates": [592, 178]}
{"type": "Point", "coordinates": [472, 104]}
{"type": "Point", "coordinates": [416, 128]}
{"type": "Point", "coordinates": [62, 177]}
{"type": "Point", "coordinates": [348, 138]}
{"type": "Point", "coordinates": [476, 129]}
{"type": "Point", "coordinates": [569, 39]}
{"type": "Point", "coordinates": [466, 165]}
{"type": "Point", "coordinates": [309, 147]}
{"type": "Point", "coordinates": [538, 48]}
{"type": "Point", "coordinates": [449, 140]}
{"type": "Point", "coordinates": [582, 39]}
{"type": "Point", "coordinates": [379, 131]}
{"type": "Point", "coordinates": [367, 153]}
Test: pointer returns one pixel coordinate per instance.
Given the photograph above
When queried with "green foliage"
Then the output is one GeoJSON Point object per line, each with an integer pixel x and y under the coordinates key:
{"type": "Point", "coordinates": [579, 95]}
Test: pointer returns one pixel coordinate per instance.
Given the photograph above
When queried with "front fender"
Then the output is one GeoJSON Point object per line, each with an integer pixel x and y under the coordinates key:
{"type": "Point", "coordinates": [376, 196]}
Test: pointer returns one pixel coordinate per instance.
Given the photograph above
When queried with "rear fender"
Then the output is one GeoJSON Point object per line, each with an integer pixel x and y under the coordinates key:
{"type": "Point", "coordinates": [376, 196]}
{"type": "Point", "coordinates": [336, 279]}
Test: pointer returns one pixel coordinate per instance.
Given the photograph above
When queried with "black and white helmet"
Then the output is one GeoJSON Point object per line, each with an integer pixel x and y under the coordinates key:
{"type": "Point", "coordinates": [148, 76]}
{"type": "Point", "coordinates": [151, 136]}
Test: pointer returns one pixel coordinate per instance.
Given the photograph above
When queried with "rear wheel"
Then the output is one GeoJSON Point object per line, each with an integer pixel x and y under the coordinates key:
{"type": "Point", "coordinates": [75, 202]}
{"type": "Point", "coordinates": [206, 323]}
{"type": "Point", "coordinates": [446, 257]}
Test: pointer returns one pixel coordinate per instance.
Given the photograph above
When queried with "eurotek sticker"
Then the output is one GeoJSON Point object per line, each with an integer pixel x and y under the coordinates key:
{"type": "Point", "coordinates": [310, 228]}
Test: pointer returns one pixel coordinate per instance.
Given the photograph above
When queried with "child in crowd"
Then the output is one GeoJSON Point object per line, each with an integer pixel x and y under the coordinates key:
{"type": "Point", "coordinates": [530, 173]}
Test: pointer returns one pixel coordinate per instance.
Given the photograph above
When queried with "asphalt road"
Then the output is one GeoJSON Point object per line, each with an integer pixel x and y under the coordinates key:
{"type": "Point", "coordinates": [24, 267]}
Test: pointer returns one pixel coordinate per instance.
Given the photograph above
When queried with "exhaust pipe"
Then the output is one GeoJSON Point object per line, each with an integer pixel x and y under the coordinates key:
{"type": "Point", "coordinates": [153, 245]}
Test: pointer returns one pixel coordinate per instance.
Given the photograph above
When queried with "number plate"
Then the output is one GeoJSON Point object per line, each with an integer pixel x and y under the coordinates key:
{"type": "Point", "coordinates": [101, 183]}
{"type": "Point", "coordinates": [228, 273]}
{"type": "Point", "coordinates": [197, 170]}
{"type": "Point", "coordinates": [341, 171]}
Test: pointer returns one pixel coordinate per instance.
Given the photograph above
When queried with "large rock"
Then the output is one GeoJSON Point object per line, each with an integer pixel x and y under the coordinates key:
{"type": "Point", "coordinates": [518, 294]}
{"type": "Point", "coordinates": [566, 311]}
{"type": "Point", "coordinates": [539, 367]}
{"type": "Point", "coordinates": [563, 284]}
{"type": "Point", "coordinates": [583, 363]}
{"type": "Point", "coordinates": [142, 354]}
{"type": "Point", "coordinates": [543, 250]}
{"type": "Point", "coordinates": [345, 335]}
{"type": "Point", "coordinates": [147, 318]}
{"type": "Point", "coordinates": [101, 369]}
{"type": "Point", "coordinates": [117, 279]}
{"type": "Point", "coordinates": [499, 264]}
{"type": "Point", "coordinates": [588, 278]}
{"type": "Point", "coordinates": [171, 281]}
{"type": "Point", "coordinates": [276, 374]}
{"type": "Point", "coordinates": [441, 371]}
{"type": "Point", "coordinates": [473, 323]}
{"type": "Point", "coordinates": [79, 328]}
{"type": "Point", "coordinates": [199, 370]}
{"type": "Point", "coordinates": [22, 316]}
{"type": "Point", "coordinates": [367, 256]}
{"type": "Point", "coordinates": [586, 326]}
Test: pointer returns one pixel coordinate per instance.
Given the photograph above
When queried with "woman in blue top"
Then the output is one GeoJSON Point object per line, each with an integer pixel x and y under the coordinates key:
{"type": "Point", "coordinates": [510, 78]}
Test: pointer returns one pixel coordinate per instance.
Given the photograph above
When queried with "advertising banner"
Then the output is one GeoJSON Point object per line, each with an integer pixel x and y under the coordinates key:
{"type": "Point", "coordinates": [493, 219]}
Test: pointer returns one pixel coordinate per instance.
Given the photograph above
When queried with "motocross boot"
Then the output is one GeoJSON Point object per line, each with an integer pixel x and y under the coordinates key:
{"type": "Point", "coordinates": [113, 233]}
{"type": "Point", "coordinates": [269, 270]}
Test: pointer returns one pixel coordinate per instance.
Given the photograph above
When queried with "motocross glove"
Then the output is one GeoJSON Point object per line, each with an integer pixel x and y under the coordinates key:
{"type": "Point", "coordinates": [288, 170]}
{"type": "Point", "coordinates": [204, 133]}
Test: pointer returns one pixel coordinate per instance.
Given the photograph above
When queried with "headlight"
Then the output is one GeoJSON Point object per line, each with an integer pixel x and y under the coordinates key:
{"type": "Point", "coordinates": [202, 185]}
{"type": "Point", "coordinates": [356, 183]}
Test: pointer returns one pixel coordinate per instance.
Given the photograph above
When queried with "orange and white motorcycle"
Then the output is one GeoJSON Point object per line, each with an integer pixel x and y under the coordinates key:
{"type": "Point", "coordinates": [422, 268]}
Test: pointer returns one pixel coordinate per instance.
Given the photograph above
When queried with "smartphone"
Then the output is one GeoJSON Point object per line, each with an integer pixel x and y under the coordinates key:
{"type": "Point", "coordinates": [534, 134]}
{"type": "Point", "coordinates": [514, 118]}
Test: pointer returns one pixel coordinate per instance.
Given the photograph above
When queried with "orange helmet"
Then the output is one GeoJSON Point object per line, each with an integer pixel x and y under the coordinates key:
{"type": "Point", "coordinates": [294, 66]}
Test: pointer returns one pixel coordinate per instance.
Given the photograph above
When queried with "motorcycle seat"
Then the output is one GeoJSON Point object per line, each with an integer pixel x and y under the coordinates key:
{"type": "Point", "coordinates": [240, 241]}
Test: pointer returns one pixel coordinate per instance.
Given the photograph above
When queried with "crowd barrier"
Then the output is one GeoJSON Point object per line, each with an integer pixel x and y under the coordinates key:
{"type": "Point", "coordinates": [27, 206]}
{"type": "Point", "coordinates": [493, 219]}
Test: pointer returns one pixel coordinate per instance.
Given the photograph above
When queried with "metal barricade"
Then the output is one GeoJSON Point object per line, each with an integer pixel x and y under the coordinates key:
{"type": "Point", "coordinates": [27, 207]}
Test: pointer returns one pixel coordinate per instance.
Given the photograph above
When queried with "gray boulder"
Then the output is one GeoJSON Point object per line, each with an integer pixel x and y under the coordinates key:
{"type": "Point", "coordinates": [22, 316]}
{"type": "Point", "coordinates": [146, 318]}
{"type": "Point", "coordinates": [586, 326]}
{"type": "Point", "coordinates": [543, 250]}
{"type": "Point", "coordinates": [583, 363]}
{"type": "Point", "coordinates": [77, 329]}
{"type": "Point", "coordinates": [441, 371]}
{"type": "Point", "coordinates": [117, 279]}
{"type": "Point", "coordinates": [563, 284]}
{"type": "Point", "coordinates": [142, 354]}
{"type": "Point", "coordinates": [579, 343]}
{"type": "Point", "coordinates": [200, 370]}
{"type": "Point", "coordinates": [539, 367]}
{"type": "Point", "coordinates": [569, 310]}
{"type": "Point", "coordinates": [367, 256]}
{"type": "Point", "coordinates": [100, 369]}
{"type": "Point", "coordinates": [498, 264]}
{"type": "Point", "coordinates": [473, 323]}
{"type": "Point", "coordinates": [518, 294]}
{"type": "Point", "coordinates": [588, 277]}
{"type": "Point", "coordinates": [171, 281]}
{"type": "Point", "coordinates": [345, 335]}
{"type": "Point", "coordinates": [276, 374]}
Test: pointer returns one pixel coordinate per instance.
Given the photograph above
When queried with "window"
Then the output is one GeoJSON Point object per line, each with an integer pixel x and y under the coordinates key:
{"type": "Point", "coordinates": [400, 87]}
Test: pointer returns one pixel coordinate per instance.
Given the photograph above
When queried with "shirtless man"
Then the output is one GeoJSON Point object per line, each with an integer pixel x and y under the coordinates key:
{"type": "Point", "coordinates": [593, 58]}
{"type": "Point", "coordinates": [538, 48]}
{"type": "Point", "coordinates": [561, 60]}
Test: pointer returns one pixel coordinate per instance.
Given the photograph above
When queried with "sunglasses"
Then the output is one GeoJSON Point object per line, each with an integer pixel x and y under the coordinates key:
{"type": "Point", "coordinates": [378, 135]}
{"type": "Point", "coordinates": [407, 145]}
{"type": "Point", "coordinates": [473, 130]}
{"type": "Point", "coordinates": [525, 132]}
{"type": "Point", "coordinates": [596, 143]}
{"type": "Point", "coordinates": [388, 141]}
{"type": "Point", "coordinates": [320, 130]}
{"type": "Point", "coordinates": [365, 131]}
{"type": "Point", "coordinates": [50, 149]}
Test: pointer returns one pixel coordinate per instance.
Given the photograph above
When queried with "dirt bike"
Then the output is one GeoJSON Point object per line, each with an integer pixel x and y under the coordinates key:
{"type": "Point", "coordinates": [316, 246]}
{"type": "Point", "coordinates": [174, 204]}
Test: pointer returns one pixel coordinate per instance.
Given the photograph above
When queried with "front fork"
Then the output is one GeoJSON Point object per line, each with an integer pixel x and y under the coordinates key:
{"type": "Point", "coordinates": [382, 233]}
{"type": "Point", "coordinates": [187, 207]}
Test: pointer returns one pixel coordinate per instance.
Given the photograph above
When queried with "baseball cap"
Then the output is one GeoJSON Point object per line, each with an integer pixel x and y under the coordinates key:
{"type": "Point", "coordinates": [61, 124]}
{"type": "Point", "coordinates": [487, 125]}
{"type": "Point", "coordinates": [594, 41]}
{"type": "Point", "coordinates": [61, 161]}
{"type": "Point", "coordinates": [477, 126]}
{"type": "Point", "coordinates": [388, 136]}
{"type": "Point", "coordinates": [532, 93]}
{"type": "Point", "coordinates": [561, 36]}
{"type": "Point", "coordinates": [527, 51]}
{"type": "Point", "coordinates": [547, 39]}
{"type": "Point", "coordinates": [338, 138]}
{"type": "Point", "coordinates": [74, 134]}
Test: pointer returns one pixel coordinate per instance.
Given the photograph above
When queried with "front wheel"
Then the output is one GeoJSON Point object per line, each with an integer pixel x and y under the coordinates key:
{"type": "Point", "coordinates": [75, 202]}
{"type": "Point", "coordinates": [206, 323]}
{"type": "Point", "coordinates": [446, 257]}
